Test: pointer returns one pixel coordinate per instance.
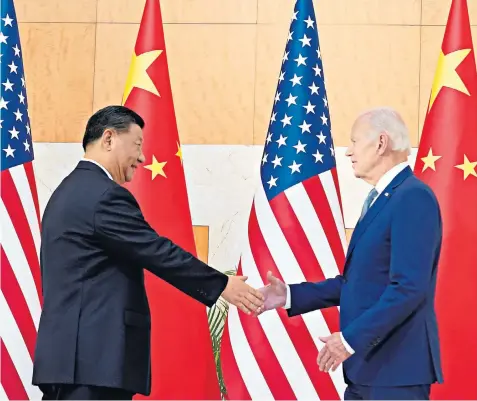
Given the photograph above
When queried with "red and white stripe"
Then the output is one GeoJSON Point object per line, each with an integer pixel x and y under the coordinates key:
{"type": "Point", "coordinates": [20, 295]}
{"type": "Point", "coordinates": [299, 236]}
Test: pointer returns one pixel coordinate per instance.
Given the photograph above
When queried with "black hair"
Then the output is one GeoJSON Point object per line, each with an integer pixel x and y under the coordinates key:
{"type": "Point", "coordinates": [119, 118]}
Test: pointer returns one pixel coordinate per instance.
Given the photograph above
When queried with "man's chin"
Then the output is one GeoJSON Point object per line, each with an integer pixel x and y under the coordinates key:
{"type": "Point", "coordinates": [130, 175]}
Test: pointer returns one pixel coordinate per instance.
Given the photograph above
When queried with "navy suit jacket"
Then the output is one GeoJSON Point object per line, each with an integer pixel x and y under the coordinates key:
{"type": "Point", "coordinates": [95, 323]}
{"type": "Point", "coordinates": [386, 293]}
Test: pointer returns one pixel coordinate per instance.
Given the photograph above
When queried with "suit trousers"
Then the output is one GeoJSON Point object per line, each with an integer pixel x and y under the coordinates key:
{"type": "Point", "coordinates": [358, 392]}
{"type": "Point", "coordinates": [83, 392]}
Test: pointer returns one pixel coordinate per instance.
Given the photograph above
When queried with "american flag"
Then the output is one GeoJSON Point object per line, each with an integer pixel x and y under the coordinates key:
{"type": "Point", "coordinates": [20, 295]}
{"type": "Point", "coordinates": [295, 230]}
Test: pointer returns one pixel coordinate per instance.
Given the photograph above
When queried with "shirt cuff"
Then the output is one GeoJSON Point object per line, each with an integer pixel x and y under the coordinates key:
{"type": "Point", "coordinates": [288, 300]}
{"type": "Point", "coordinates": [346, 345]}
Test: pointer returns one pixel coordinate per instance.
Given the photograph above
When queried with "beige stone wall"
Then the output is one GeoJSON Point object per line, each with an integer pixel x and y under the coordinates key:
{"type": "Point", "coordinates": [224, 57]}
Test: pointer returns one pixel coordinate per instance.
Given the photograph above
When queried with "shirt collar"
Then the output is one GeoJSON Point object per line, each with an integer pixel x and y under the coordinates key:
{"type": "Point", "coordinates": [99, 165]}
{"type": "Point", "coordinates": [386, 179]}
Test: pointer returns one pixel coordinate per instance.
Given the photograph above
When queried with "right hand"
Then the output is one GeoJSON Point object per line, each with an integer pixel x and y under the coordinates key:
{"type": "Point", "coordinates": [244, 297]}
{"type": "Point", "coordinates": [275, 293]}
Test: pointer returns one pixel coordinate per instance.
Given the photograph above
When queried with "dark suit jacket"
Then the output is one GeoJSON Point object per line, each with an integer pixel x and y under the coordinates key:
{"type": "Point", "coordinates": [95, 323]}
{"type": "Point", "coordinates": [386, 294]}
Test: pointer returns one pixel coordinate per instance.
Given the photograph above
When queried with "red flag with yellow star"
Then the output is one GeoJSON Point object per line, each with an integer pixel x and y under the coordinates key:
{"type": "Point", "coordinates": [447, 160]}
{"type": "Point", "coordinates": [183, 365]}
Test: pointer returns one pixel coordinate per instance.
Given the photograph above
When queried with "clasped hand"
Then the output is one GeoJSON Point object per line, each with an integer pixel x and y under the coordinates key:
{"type": "Point", "coordinates": [244, 297]}
{"type": "Point", "coordinates": [252, 301]}
{"type": "Point", "coordinates": [334, 351]}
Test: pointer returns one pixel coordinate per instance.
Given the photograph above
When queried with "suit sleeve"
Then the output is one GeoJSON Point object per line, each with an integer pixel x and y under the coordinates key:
{"type": "Point", "coordinates": [307, 297]}
{"type": "Point", "coordinates": [415, 241]}
{"type": "Point", "coordinates": [123, 231]}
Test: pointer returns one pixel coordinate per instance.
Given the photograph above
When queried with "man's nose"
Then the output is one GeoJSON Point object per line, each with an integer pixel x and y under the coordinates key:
{"type": "Point", "coordinates": [348, 152]}
{"type": "Point", "coordinates": [142, 158]}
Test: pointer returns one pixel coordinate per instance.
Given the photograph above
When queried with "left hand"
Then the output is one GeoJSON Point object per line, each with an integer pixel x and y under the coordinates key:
{"type": "Point", "coordinates": [333, 353]}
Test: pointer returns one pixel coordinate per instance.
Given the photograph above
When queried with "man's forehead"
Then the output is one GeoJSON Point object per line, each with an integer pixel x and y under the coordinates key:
{"type": "Point", "coordinates": [359, 126]}
{"type": "Point", "coordinates": [136, 132]}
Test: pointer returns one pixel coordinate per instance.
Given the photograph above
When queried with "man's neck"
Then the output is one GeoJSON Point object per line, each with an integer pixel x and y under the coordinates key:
{"type": "Point", "coordinates": [384, 168]}
{"type": "Point", "coordinates": [102, 162]}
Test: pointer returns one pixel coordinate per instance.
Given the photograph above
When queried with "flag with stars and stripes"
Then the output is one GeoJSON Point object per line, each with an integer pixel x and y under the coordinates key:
{"type": "Point", "coordinates": [295, 230]}
{"type": "Point", "coordinates": [20, 287]}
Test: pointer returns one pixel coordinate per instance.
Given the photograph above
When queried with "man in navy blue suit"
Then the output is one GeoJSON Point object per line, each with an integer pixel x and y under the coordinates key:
{"type": "Point", "coordinates": [388, 342]}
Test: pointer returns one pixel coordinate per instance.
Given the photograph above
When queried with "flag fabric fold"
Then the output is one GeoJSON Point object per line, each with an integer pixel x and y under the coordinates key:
{"type": "Point", "coordinates": [447, 161]}
{"type": "Point", "coordinates": [20, 280]}
{"type": "Point", "coordinates": [295, 229]}
{"type": "Point", "coordinates": [183, 364]}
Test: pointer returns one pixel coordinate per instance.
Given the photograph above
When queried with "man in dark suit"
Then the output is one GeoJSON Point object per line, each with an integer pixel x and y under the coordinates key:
{"type": "Point", "coordinates": [389, 337]}
{"type": "Point", "coordinates": [94, 334]}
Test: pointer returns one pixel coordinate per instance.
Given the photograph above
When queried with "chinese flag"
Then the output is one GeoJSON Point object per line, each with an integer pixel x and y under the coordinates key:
{"type": "Point", "coordinates": [183, 365]}
{"type": "Point", "coordinates": [447, 160]}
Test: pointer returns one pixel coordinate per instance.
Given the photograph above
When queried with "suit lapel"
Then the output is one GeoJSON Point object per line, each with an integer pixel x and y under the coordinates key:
{"type": "Point", "coordinates": [374, 210]}
{"type": "Point", "coordinates": [367, 219]}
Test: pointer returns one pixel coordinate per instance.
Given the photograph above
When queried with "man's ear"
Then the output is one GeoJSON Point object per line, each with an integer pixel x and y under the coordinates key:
{"type": "Point", "coordinates": [107, 139]}
{"type": "Point", "coordinates": [383, 143]}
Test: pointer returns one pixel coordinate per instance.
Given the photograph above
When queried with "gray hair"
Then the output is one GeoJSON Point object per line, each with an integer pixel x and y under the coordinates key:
{"type": "Point", "coordinates": [387, 120]}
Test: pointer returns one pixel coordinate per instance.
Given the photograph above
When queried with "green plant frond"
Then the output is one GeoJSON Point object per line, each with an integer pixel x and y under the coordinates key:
{"type": "Point", "coordinates": [216, 325]}
{"type": "Point", "coordinates": [217, 316]}
{"type": "Point", "coordinates": [231, 272]}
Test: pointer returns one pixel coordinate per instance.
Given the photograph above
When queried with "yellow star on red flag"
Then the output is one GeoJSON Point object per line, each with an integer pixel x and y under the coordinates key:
{"type": "Point", "coordinates": [138, 76]}
{"type": "Point", "coordinates": [156, 167]}
{"type": "Point", "coordinates": [179, 151]}
{"type": "Point", "coordinates": [468, 167]}
{"type": "Point", "coordinates": [430, 161]}
{"type": "Point", "coordinates": [446, 74]}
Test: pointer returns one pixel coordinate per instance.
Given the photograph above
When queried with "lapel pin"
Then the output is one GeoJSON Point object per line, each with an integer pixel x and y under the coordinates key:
{"type": "Point", "coordinates": [386, 194]}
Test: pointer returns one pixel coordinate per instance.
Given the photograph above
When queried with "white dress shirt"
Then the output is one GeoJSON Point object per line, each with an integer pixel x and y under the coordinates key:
{"type": "Point", "coordinates": [99, 165]}
{"type": "Point", "coordinates": [386, 179]}
{"type": "Point", "coordinates": [383, 182]}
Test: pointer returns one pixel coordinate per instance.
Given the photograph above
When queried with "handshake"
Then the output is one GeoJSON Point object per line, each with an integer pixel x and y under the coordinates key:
{"type": "Point", "coordinates": [253, 301]}
{"type": "Point", "coordinates": [273, 296]}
